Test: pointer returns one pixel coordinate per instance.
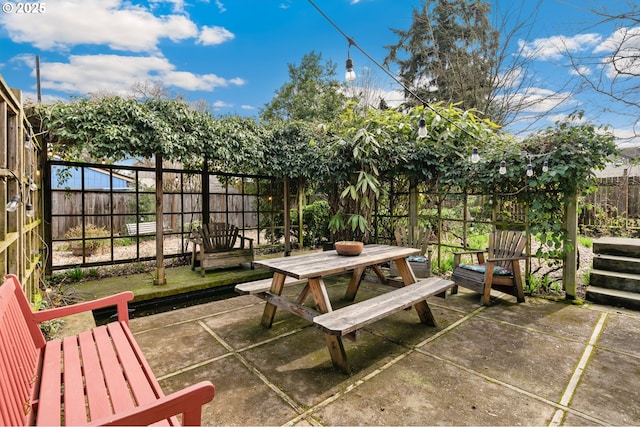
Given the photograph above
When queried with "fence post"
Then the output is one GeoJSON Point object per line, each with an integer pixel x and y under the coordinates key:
{"type": "Point", "coordinates": [413, 212]}
{"type": "Point", "coordinates": [160, 276]}
{"type": "Point", "coordinates": [571, 256]}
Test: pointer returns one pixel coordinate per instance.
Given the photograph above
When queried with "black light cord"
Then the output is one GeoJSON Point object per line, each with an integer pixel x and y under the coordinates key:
{"type": "Point", "coordinates": [352, 42]}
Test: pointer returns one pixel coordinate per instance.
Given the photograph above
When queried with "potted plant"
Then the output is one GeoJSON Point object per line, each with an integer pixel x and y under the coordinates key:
{"type": "Point", "coordinates": [88, 244]}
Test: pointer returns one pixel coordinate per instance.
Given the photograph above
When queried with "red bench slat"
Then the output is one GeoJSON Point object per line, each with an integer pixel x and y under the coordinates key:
{"type": "Point", "coordinates": [97, 376]}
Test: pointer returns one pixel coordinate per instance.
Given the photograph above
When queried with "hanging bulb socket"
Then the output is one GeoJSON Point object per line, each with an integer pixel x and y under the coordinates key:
{"type": "Point", "coordinates": [545, 166]}
{"type": "Point", "coordinates": [29, 212]}
{"type": "Point", "coordinates": [475, 157]}
{"type": "Point", "coordinates": [503, 167]}
{"type": "Point", "coordinates": [13, 203]}
{"type": "Point", "coordinates": [422, 128]}
{"type": "Point", "coordinates": [350, 75]}
{"type": "Point", "coordinates": [529, 170]}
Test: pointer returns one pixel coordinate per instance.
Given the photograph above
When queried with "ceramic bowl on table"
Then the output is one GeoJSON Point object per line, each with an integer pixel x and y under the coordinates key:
{"type": "Point", "coordinates": [349, 248]}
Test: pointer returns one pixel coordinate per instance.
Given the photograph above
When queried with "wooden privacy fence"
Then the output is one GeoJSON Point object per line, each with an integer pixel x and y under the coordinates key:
{"type": "Point", "coordinates": [21, 241]}
{"type": "Point", "coordinates": [613, 208]}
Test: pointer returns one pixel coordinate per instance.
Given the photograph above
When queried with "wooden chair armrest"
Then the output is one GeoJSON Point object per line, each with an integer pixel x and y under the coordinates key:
{"type": "Point", "coordinates": [188, 402]}
{"type": "Point", "coordinates": [195, 237]}
{"type": "Point", "coordinates": [249, 239]}
{"type": "Point", "coordinates": [478, 251]}
{"type": "Point", "coordinates": [457, 256]}
{"type": "Point", "coordinates": [511, 258]}
{"type": "Point", "coordinates": [120, 300]}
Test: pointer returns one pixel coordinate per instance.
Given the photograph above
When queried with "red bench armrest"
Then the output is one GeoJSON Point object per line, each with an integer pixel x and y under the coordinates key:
{"type": "Point", "coordinates": [187, 402]}
{"type": "Point", "coordinates": [119, 300]}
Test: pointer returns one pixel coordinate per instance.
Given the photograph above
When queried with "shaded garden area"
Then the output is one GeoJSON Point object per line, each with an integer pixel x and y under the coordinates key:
{"type": "Point", "coordinates": [363, 174]}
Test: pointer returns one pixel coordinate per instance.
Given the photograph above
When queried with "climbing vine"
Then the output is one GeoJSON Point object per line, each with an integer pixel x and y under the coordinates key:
{"type": "Point", "coordinates": [346, 159]}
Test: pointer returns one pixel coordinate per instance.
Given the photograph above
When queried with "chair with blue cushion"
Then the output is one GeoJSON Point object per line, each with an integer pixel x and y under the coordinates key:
{"type": "Point", "coordinates": [499, 270]}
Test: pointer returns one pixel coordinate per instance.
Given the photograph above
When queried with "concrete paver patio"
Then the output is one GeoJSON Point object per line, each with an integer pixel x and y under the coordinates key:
{"type": "Point", "coordinates": [537, 363]}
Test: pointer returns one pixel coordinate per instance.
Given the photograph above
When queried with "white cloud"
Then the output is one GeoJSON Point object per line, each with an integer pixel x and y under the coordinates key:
{"type": "Point", "coordinates": [221, 104]}
{"type": "Point", "coordinates": [555, 47]}
{"type": "Point", "coordinates": [221, 7]}
{"type": "Point", "coordinates": [624, 45]}
{"type": "Point", "coordinates": [178, 5]}
{"type": "Point", "coordinates": [247, 107]}
{"type": "Point", "coordinates": [117, 24]}
{"type": "Point", "coordinates": [582, 70]}
{"type": "Point", "coordinates": [538, 100]}
{"type": "Point", "coordinates": [214, 35]}
{"type": "Point", "coordinates": [116, 74]}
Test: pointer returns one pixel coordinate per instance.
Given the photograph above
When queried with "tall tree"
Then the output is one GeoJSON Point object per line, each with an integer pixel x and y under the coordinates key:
{"type": "Point", "coordinates": [448, 54]}
{"type": "Point", "coordinates": [312, 94]}
{"type": "Point", "coordinates": [613, 68]}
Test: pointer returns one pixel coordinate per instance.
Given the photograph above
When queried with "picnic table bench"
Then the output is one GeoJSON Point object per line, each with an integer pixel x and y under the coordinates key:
{"type": "Point", "coordinates": [97, 377]}
{"type": "Point", "coordinates": [346, 321]}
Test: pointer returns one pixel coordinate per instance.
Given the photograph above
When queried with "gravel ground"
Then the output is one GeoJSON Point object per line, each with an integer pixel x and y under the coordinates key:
{"type": "Point", "coordinates": [173, 245]}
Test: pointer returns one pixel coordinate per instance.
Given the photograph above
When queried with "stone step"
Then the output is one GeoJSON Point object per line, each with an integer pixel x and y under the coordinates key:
{"type": "Point", "coordinates": [621, 264]}
{"type": "Point", "coordinates": [621, 246]}
{"type": "Point", "coordinates": [613, 297]}
{"type": "Point", "coordinates": [614, 280]}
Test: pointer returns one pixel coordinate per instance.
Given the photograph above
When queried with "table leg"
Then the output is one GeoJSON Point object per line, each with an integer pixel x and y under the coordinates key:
{"type": "Point", "coordinates": [379, 273]}
{"type": "Point", "coordinates": [319, 293]}
{"type": "Point", "coordinates": [303, 295]}
{"type": "Point", "coordinates": [338, 355]}
{"type": "Point", "coordinates": [354, 283]}
{"type": "Point", "coordinates": [277, 284]}
{"type": "Point", "coordinates": [408, 277]}
{"type": "Point", "coordinates": [334, 343]}
{"type": "Point", "coordinates": [405, 271]}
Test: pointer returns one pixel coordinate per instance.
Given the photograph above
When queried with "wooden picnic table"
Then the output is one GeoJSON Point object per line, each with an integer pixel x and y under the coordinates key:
{"type": "Point", "coordinates": [314, 267]}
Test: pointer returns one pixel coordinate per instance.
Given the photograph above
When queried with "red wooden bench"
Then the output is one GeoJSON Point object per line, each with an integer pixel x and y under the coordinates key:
{"type": "Point", "coordinates": [98, 377]}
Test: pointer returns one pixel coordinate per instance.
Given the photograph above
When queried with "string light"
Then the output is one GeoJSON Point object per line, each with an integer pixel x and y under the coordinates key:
{"type": "Point", "coordinates": [529, 169]}
{"type": "Point", "coordinates": [545, 166]}
{"type": "Point", "coordinates": [503, 167]}
{"type": "Point", "coordinates": [350, 75]}
{"type": "Point", "coordinates": [422, 128]}
{"type": "Point", "coordinates": [475, 156]}
{"type": "Point", "coordinates": [12, 206]}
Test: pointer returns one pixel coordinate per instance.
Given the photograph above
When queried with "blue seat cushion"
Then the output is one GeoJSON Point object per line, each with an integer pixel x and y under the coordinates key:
{"type": "Point", "coordinates": [480, 268]}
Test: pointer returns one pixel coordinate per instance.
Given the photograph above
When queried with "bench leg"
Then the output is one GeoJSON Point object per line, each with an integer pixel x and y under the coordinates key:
{"type": "Point", "coordinates": [424, 312]}
{"type": "Point", "coordinates": [338, 355]}
{"type": "Point", "coordinates": [277, 284]}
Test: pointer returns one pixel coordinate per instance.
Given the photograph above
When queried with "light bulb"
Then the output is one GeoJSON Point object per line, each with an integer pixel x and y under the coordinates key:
{"type": "Point", "coordinates": [475, 157]}
{"type": "Point", "coordinates": [29, 212]}
{"type": "Point", "coordinates": [13, 203]}
{"type": "Point", "coordinates": [422, 128]}
{"type": "Point", "coordinates": [32, 185]}
{"type": "Point", "coordinates": [350, 75]}
{"type": "Point", "coordinates": [545, 166]}
{"type": "Point", "coordinates": [503, 167]}
{"type": "Point", "coordinates": [529, 170]}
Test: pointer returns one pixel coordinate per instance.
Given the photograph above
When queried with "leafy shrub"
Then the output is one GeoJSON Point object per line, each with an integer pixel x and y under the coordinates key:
{"type": "Point", "coordinates": [315, 218]}
{"type": "Point", "coordinates": [94, 236]}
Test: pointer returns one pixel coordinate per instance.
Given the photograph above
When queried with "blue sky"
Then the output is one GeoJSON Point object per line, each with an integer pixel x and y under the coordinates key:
{"type": "Point", "coordinates": [234, 54]}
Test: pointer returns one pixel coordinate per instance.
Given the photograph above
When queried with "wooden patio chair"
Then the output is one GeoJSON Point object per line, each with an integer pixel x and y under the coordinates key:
{"type": "Point", "coordinates": [420, 241]}
{"type": "Point", "coordinates": [499, 270]}
{"type": "Point", "coordinates": [214, 246]}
